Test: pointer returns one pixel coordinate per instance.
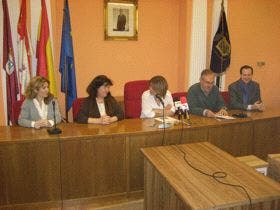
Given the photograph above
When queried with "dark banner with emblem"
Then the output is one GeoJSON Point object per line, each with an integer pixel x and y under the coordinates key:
{"type": "Point", "coordinates": [221, 49]}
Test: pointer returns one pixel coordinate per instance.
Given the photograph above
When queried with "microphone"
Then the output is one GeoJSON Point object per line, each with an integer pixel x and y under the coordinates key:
{"type": "Point", "coordinates": [185, 109]}
{"type": "Point", "coordinates": [54, 130]}
{"type": "Point", "coordinates": [178, 109]}
{"type": "Point", "coordinates": [160, 99]}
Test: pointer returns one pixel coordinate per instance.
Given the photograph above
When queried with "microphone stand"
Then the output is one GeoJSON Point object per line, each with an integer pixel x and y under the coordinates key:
{"type": "Point", "coordinates": [54, 130]}
{"type": "Point", "coordinates": [163, 117]}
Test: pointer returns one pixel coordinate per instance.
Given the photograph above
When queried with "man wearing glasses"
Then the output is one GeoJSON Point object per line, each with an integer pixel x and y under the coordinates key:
{"type": "Point", "coordinates": [204, 98]}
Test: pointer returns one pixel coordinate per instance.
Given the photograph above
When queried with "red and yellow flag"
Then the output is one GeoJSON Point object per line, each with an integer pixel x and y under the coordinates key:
{"type": "Point", "coordinates": [24, 50]}
{"type": "Point", "coordinates": [44, 50]}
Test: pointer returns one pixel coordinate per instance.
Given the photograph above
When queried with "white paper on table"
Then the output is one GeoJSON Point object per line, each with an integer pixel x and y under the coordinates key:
{"type": "Point", "coordinates": [166, 119]}
{"type": "Point", "coordinates": [226, 117]}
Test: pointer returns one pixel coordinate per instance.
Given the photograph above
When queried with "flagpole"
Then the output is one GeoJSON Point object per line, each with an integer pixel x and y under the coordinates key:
{"type": "Point", "coordinates": [221, 49]}
{"type": "Point", "coordinates": [8, 114]}
{"type": "Point", "coordinates": [218, 78]}
{"type": "Point", "coordinates": [65, 89]}
{"type": "Point", "coordinates": [66, 64]}
{"type": "Point", "coordinates": [11, 104]}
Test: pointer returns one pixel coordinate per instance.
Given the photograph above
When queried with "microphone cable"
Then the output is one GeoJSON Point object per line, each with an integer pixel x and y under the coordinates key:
{"type": "Point", "coordinates": [180, 118]}
{"type": "Point", "coordinates": [183, 116]}
{"type": "Point", "coordinates": [217, 176]}
{"type": "Point", "coordinates": [60, 172]}
{"type": "Point", "coordinates": [163, 119]}
{"type": "Point", "coordinates": [58, 131]}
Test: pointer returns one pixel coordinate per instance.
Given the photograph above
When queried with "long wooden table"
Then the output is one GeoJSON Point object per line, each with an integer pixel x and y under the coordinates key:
{"type": "Point", "coordinates": [171, 183]}
{"type": "Point", "coordinates": [96, 160]}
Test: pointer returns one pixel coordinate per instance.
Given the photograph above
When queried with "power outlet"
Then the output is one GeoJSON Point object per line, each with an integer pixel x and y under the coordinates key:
{"type": "Point", "coordinates": [260, 63]}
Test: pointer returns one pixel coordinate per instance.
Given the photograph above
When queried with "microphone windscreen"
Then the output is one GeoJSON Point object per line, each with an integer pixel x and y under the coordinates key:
{"type": "Point", "coordinates": [177, 104]}
{"type": "Point", "coordinates": [183, 99]}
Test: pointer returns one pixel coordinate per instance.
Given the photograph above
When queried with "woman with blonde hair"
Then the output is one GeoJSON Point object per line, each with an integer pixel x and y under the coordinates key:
{"type": "Point", "coordinates": [153, 98]}
{"type": "Point", "coordinates": [37, 109]}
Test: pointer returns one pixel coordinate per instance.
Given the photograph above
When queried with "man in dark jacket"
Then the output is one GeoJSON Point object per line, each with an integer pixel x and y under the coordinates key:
{"type": "Point", "coordinates": [245, 93]}
{"type": "Point", "coordinates": [204, 97]}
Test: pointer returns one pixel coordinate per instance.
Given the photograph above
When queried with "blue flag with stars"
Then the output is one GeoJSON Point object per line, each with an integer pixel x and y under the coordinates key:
{"type": "Point", "coordinates": [67, 65]}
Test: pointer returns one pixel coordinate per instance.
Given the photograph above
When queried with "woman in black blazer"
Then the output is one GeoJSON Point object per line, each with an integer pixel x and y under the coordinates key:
{"type": "Point", "coordinates": [100, 107]}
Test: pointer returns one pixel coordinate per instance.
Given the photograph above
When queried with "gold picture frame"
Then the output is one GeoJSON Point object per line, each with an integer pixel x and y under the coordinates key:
{"type": "Point", "coordinates": [121, 19]}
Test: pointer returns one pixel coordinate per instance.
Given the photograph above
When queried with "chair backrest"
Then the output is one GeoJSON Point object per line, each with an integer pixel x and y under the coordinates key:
{"type": "Point", "coordinates": [16, 111]}
{"type": "Point", "coordinates": [77, 103]}
{"type": "Point", "coordinates": [133, 91]}
{"type": "Point", "coordinates": [176, 96]}
{"type": "Point", "coordinates": [226, 97]}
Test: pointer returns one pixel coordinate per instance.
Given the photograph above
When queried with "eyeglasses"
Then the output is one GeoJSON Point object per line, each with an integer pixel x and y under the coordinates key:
{"type": "Point", "coordinates": [208, 82]}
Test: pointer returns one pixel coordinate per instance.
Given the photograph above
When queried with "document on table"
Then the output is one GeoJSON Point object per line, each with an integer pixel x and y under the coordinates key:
{"type": "Point", "coordinates": [167, 119]}
{"type": "Point", "coordinates": [226, 117]}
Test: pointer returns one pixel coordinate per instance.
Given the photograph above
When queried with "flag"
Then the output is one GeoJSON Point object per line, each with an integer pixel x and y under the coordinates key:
{"type": "Point", "coordinates": [24, 50]}
{"type": "Point", "coordinates": [44, 50]}
{"type": "Point", "coordinates": [221, 49]}
{"type": "Point", "coordinates": [67, 65]}
{"type": "Point", "coordinates": [9, 64]}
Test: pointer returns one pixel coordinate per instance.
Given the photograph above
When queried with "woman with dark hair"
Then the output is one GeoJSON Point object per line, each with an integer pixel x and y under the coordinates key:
{"type": "Point", "coordinates": [100, 107]}
{"type": "Point", "coordinates": [37, 109]}
{"type": "Point", "coordinates": [151, 99]}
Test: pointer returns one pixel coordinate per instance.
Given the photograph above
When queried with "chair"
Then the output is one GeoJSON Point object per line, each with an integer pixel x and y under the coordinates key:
{"type": "Point", "coordinates": [225, 95]}
{"type": "Point", "coordinates": [177, 95]}
{"type": "Point", "coordinates": [16, 111]}
{"type": "Point", "coordinates": [77, 103]}
{"type": "Point", "coordinates": [133, 91]}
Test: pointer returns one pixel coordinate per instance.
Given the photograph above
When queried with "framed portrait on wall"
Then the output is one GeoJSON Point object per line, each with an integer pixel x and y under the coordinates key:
{"type": "Point", "coordinates": [121, 19]}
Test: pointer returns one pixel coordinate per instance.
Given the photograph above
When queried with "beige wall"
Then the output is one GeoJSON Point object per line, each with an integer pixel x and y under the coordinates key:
{"type": "Point", "coordinates": [155, 52]}
{"type": "Point", "coordinates": [163, 44]}
{"type": "Point", "coordinates": [255, 36]}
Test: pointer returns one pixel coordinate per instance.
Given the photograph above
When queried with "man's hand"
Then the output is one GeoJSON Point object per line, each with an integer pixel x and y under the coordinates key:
{"type": "Point", "coordinates": [209, 113]}
{"type": "Point", "coordinates": [258, 105]}
{"type": "Point", "coordinates": [222, 112]}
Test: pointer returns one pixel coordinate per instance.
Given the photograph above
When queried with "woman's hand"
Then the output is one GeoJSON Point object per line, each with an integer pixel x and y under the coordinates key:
{"type": "Point", "coordinates": [42, 123]}
{"type": "Point", "coordinates": [105, 119]}
{"type": "Point", "coordinates": [168, 111]}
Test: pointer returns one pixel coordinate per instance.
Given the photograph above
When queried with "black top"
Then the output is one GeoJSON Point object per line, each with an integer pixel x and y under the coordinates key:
{"type": "Point", "coordinates": [89, 109]}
